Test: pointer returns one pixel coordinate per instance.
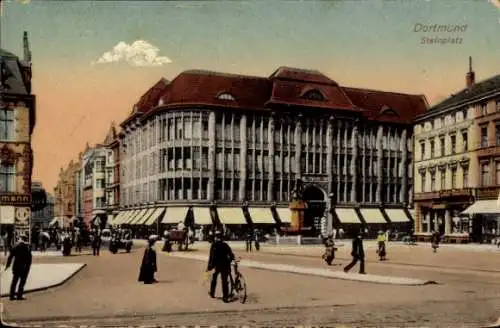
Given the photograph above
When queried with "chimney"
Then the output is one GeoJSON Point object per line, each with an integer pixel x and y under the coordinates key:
{"type": "Point", "coordinates": [26, 47]}
{"type": "Point", "coordinates": [470, 77]}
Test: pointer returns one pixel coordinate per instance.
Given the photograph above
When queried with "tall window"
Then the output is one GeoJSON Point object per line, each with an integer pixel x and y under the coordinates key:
{"type": "Point", "coordinates": [422, 181]}
{"type": "Point", "coordinates": [497, 134]}
{"type": "Point", "coordinates": [485, 172]}
{"type": "Point", "coordinates": [433, 181]}
{"type": "Point", "coordinates": [497, 176]}
{"type": "Point", "coordinates": [422, 149]}
{"type": "Point", "coordinates": [465, 140]}
{"type": "Point", "coordinates": [432, 148]}
{"type": "Point", "coordinates": [498, 105]}
{"type": "Point", "coordinates": [465, 172]}
{"type": "Point", "coordinates": [484, 137]}
{"type": "Point", "coordinates": [441, 146]}
{"type": "Point", "coordinates": [454, 178]}
{"type": "Point", "coordinates": [7, 178]}
{"type": "Point", "coordinates": [443, 180]}
{"type": "Point", "coordinates": [453, 143]}
{"type": "Point", "coordinates": [484, 109]}
{"type": "Point", "coordinates": [6, 124]}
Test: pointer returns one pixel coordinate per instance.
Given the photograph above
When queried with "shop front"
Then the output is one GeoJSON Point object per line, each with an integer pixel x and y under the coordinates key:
{"type": "Point", "coordinates": [484, 215]}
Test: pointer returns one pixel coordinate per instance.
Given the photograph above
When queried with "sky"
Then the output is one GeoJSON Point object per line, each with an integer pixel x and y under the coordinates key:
{"type": "Point", "coordinates": [93, 60]}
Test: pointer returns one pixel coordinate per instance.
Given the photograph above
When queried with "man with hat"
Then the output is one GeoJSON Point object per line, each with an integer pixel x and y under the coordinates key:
{"type": "Point", "coordinates": [21, 255]}
{"type": "Point", "coordinates": [357, 253]}
{"type": "Point", "coordinates": [220, 259]}
{"type": "Point", "coordinates": [148, 265]}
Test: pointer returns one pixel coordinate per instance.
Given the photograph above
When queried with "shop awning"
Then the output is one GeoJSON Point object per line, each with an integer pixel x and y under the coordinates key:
{"type": "Point", "coordinates": [412, 214]}
{"type": "Point", "coordinates": [397, 215]}
{"type": "Point", "coordinates": [138, 217]}
{"type": "Point", "coordinates": [202, 216]}
{"type": "Point", "coordinates": [231, 215]}
{"type": "Point", "coordinates": [117, 218]}
{"type": "Point", "coordinates": [284, 214]}
{"type": "Point", "coordinates": [175, 214]}
{"type": "Point", "coordinates": [483, 207]}
{"type": "Point", "coordinates": [261, 215]}
{"type": "Point", "coordinates": [131, 217]}
{"type": "Point", "coordinates": [155, 216]}
{"type": "Point", "coordinates": [7, 214]}
{"type": "Point", "coordinates": [146, 216]}
{"type": "Point", "coordinates": [121, 216]}
{"type": "Point", "coordinates": [52, 222]}
{"type": "Point", "coordinates": [373, 215]}
{"type": "Point", "coordinates": [347, 215]}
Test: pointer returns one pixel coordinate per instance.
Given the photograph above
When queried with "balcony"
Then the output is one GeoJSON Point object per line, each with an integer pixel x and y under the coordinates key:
{"type": "Point", "coordinates": [488, 151]}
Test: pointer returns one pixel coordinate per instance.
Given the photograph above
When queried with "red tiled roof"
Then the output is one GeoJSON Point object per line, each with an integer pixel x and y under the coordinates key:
{"type": "Point", "coordinates": [377, 105]}
{"type": "Point", "coordinates": [286, 86]}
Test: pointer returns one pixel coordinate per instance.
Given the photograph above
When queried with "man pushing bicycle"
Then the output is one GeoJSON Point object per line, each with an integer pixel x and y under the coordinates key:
{"type": "Point", "coordinates": [220, 259]}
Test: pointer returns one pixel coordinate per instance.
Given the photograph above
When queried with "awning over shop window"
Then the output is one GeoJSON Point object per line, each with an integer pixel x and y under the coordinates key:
{"type": "Point", "coordinates": [175, 214]}
{"type": "Point", "coordinates": [120, 217]}
{"type": "Point", "coordinates": [138, 217]}
{"type": "Point", "coordinates": [202, 216]}
{"type": "Point", "coordinates": [155, 216]}
{"type": "Point", "coordinates": [7, 214]}
{"type": "Point", "coordinates": [116, 218]}
{"type": "Point", "coordinates": [231, 215]}
{"type": "Point", "coordinates": [397, 215]}
{"type": "Point", "coordinates": [54, 221]}
{"type": "Point", "coordinates": [285, 215]}
{"type": "Point", "coordinates": [146, 216]}
{"type": "Point", "coordinates": [483, 207]}
{"type": "Point", "coordinates": [261, 215]}
{"type": "Point", "coordinates": [131, 217]}
{"type": "Point", "coordinates": [347, 215]}
{"type": "Point", "coordinates": [373, 215]}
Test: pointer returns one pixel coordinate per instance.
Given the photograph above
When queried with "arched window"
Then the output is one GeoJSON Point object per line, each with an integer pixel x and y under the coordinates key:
{"type": "Point", "coordinates": [225, 96]}
{"type": "Point", "coordinates": [313, 95]}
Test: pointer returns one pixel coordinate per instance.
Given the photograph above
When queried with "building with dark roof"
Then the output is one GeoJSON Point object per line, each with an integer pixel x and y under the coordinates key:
{"type": "Point", "coordinates": [17, 121]}
{"type": "Point", "coordinates": [230, 149]}
{"type": "Point", "coordinates": [457, 162]}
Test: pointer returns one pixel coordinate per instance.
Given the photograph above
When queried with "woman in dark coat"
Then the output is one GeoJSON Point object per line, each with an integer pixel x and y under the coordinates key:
{"type": "Point", "coordinates": [148, 266]}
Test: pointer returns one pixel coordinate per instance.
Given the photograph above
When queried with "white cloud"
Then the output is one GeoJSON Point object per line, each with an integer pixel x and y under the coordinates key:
{"type": "Point", "coordinates": [495, 3]}
{"type": "Point", "coordinates": [140, 53]}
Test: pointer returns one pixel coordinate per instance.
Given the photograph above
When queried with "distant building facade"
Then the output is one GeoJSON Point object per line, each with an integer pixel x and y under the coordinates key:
{"type": "Point", "coordinates": [17, 121]}
{"type": "Point", "coordinates": [93, 175]}
{"type": "Point", "coordinates": [455, 157]}
{"type": "Point", "coordinates": [112, 145]}
{"type": "Point", "coordinates": [65, 195]}
{"type": "Point", "coordinates": [42, 217]}
{"type": "Point", "coordinates": [236, 145]}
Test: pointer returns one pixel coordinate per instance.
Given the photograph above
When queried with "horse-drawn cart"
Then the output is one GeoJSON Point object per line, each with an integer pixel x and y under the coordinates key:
{"type": "Point", "coordinates": [182, 238]}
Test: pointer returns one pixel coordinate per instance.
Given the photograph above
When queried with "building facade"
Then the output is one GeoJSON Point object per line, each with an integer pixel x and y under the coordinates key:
{"type": "Point", "coordinates": [225, 143]}
{"type": "Point", "coordinates": [112, 144]}
{"type": "Point", "coordinates": [65, 195]}
{"type": "Point", "coordinates": [93, 175]}
{"type": "Point", "coordinates": [447, 165]}
{"type": "Point", "coordinates": [41, 217]}
{"type": "Point", "coordinates": [17, 121]}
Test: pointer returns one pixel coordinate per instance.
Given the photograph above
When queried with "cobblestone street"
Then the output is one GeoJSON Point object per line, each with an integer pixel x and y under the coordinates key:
{"type": "Point", "coordinates": [106, 292]}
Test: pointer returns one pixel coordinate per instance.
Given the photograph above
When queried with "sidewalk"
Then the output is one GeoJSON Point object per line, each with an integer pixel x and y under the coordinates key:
{"type": "Point", "coordinates": [370, 278]}
{"type": "Point", "coordinates": [42, 276]}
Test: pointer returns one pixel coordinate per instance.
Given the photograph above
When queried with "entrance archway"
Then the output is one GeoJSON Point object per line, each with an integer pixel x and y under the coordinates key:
{"type": "Point", "coordinates": [316, 203]}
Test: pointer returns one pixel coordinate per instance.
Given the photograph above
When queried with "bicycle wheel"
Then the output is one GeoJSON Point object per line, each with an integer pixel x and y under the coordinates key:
{"type": "Point", "coordinates": [240, 287]}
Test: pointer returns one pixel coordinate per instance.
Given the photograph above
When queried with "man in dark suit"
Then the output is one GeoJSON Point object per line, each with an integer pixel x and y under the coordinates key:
{"type": "Point", "coordinates": [358, 254]}
{"type": "Point", "coordinates": [21, 254]}
{"type": "Point", "coordinates": [220, 259]}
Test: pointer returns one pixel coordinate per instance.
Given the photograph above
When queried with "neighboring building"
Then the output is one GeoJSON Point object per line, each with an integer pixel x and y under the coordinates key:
{"type": "Point", "coordinates": [44, 216]}
{"type": "Point", "coordinates": [112, 144]}
{"type": "Point", "coordinates": [65, 195]}
{"type": "Point", "coordinates": [79, 190]}
{"type": "Point", "coordinates": [447, 171]}
{"type": "Point", "coordinates": [94, 197]}
{"type": "Point", "coordinates": [17, 121]}
{"type": "Point", "coordinates": [235, 147]}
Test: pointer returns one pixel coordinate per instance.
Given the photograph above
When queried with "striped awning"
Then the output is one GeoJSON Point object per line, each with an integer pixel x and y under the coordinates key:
{"type": "Point", "coordinates": [138, 217]}
{"type": "Point", "coordinates": [155, 216]}
{"type": "Point", "coordinates": [121, 217]}
{"type": "Point", "coordinates": [261, 215]}
{"type": "Point", "coordinates": [175, 214]}
{"type": "Point", "coordinates": [284, 214]}
{"type": "Point", "coordinates": [231, 215]}
{"type": "Point", "coordinates": [117, 218]}
{"type": "Point", "coordinates": [397, 215]}
{"type": "Point", "coordinates": [146, 216]}
{"type": "Point", "coordinates": [373, 215]}
{"type": "Point", "coordinates": [202, 216]}
{"type": "Point", "coordinates": [347, 215]}
{"type": "Point", "coordinates": [131, 217]}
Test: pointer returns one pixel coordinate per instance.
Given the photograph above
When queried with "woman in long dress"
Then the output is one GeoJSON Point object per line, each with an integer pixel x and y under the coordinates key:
{"type": "Point", "coordinates": [148, 265]}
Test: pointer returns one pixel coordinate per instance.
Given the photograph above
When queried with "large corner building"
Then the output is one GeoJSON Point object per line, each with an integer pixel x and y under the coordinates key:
{"type": "Point", "coordinates": [230, 149]}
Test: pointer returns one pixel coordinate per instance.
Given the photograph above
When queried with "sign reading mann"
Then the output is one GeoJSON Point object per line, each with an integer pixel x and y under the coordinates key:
{"type": "Point", "coordinates": [15, 199]}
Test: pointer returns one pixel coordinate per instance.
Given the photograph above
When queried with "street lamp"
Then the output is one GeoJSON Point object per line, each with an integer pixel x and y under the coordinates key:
{"type": "Point", "coordinates": [331, 198]}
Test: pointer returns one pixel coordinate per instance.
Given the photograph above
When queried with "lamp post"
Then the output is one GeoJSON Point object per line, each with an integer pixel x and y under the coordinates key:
{"type": "Point", "coordinates": [331, 206]}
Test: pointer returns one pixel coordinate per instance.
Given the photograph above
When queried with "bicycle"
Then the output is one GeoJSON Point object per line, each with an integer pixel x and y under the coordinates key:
{"type": "Point", "coordinates": [238, 284]}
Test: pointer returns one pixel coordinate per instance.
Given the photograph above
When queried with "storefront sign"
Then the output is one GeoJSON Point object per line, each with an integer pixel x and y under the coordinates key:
{"type": "Point", "coordinates": [426, 196]}
{"type": "Point", "coordinates": [488, 193]}
{"type": "Point", "coordinates": [15, 199]}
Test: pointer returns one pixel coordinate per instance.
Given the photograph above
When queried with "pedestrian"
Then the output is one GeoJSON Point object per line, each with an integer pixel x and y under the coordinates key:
{"type": "Point", "coordinates": [148, 265]}
{"type": "Point", "coordinates": [220, 260]}
{"type": "Point", "coordinates": [358, 254]}
{"type": "Point", "coordinates": [257, 239]}
{"type": "Point", "coordinates": [249, 240]}
{"type": "Point", "coordinates": [78, 240]}
{"type": "Point", "coordinates": [381, 251]}
{"type": "Point", "coordinates": [21, 255]}
{"type": "Point", "coordinates": [96, 242]}
{"type": "Point", "coordinates": [435, 239]}
{"type": "Point", "coordinates": [329, 254]}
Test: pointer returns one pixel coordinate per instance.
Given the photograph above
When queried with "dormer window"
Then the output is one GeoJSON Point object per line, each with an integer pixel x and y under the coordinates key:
{"type": "Point", "coordinates": [313, 95]}
{"type": "Point", "coordinates": [226, 96]}
{"type": "Point", "coordinates": [386, 110]}
{"type": "Point", "coordinates": [161, 102]}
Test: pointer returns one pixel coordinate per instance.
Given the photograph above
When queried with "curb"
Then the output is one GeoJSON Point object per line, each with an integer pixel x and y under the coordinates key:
{"type": "Point", "coordinates": [82, 265]}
